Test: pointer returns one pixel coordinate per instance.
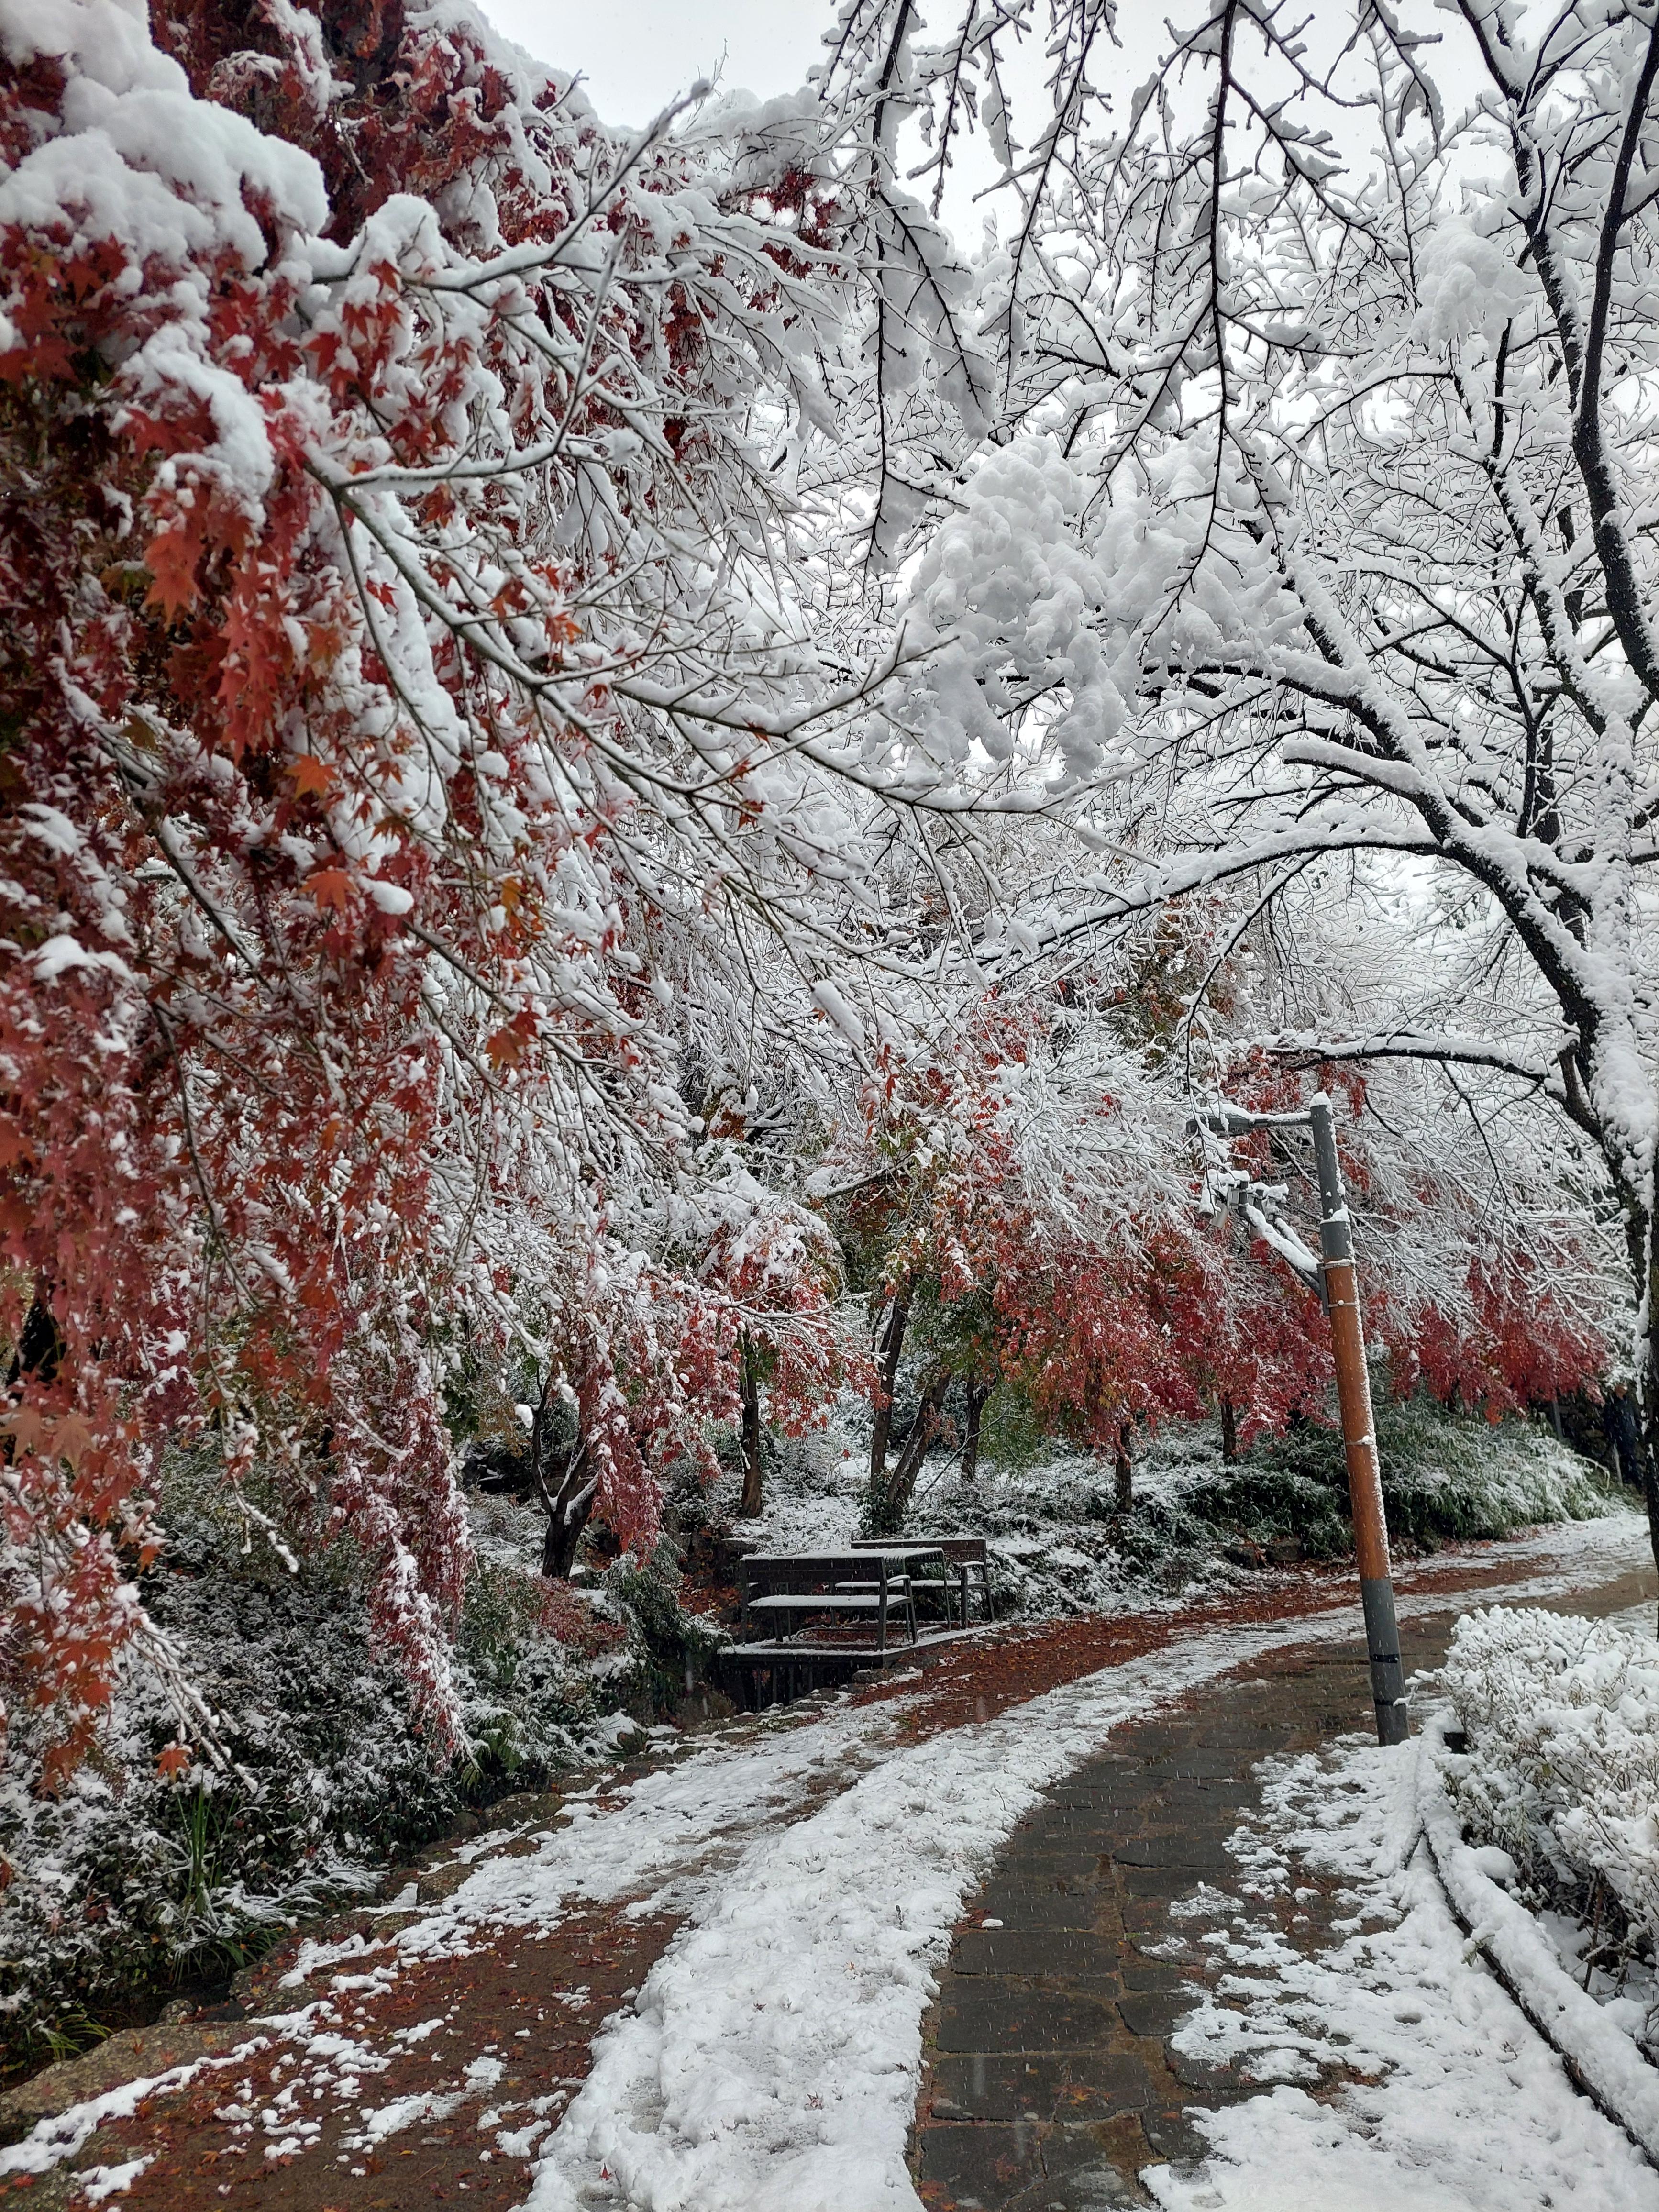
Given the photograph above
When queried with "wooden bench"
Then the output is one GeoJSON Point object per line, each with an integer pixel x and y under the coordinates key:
{"type": "Point", "coordinates": [967, 1564]}
{"type": "Point", "coordinates": [798, 1585]}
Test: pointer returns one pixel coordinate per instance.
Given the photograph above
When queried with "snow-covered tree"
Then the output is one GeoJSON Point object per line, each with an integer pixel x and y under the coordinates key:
{"type": "Point", "coordinates": [408, 746]}
{"type": "Point", "coordinates": [1307, 550]}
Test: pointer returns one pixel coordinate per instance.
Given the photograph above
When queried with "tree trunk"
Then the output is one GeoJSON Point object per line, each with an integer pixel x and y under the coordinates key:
{"type": "Point", "coordinates": [753, 1500]}
{"type": "Point", "coordinates": [1124, 1469]}
{"type": "Point", "coordinates": [567, 1509]}
{"type": "Point", "coordinates": [891, 1498]}
{"type": "Point", "coordinates": [1641, 1234]}
{"type": "Point", "coordinates": [1229, 1432]}
{"type": "Point", "coordinates": [1651, 1489]}
{"type": "Point", "coordinates": [567, 1502]}
{"type": "Point", "coordinates": [1648, 1448]}
{"type": "Point", "coordinates": [39, 1345]}
{"type": "Point", "coordinates": [977, 1393]}
{"type": "Point", "coordinates": [892, 1345]}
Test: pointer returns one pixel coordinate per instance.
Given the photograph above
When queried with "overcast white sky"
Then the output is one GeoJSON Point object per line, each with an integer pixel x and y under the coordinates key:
{"type": "Point", "coordinates": [637, 54]}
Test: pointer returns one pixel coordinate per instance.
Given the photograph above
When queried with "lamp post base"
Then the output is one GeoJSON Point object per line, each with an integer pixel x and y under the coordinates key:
{"type": "Point", "coordinates": [1382, 1647]}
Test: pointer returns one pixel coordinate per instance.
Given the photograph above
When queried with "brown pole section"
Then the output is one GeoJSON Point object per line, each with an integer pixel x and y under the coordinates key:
{"type": "Point", "coordinates": [1353, 1392]}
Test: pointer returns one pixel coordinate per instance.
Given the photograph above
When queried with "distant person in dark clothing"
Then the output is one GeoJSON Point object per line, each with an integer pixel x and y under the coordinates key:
{"type": "Point", "coordinates": [1624, 1429]}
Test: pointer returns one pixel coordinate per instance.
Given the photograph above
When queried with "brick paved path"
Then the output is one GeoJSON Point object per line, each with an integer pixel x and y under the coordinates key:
{"type": "Point", "coordinates": [1050, 2082]}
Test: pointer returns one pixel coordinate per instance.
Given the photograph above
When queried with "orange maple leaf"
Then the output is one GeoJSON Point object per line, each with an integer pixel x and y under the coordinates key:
{"type": "Point", "coordinates": [310, 775]}
{"type": "Point", "coordinates": [330, 887]}
{"type": "Point", "coordinates": [26, 1426]}
{"type": "Point", "coordinates": [170, 556]}
{"type": "Point", "coordinates": [508, 1047]}
{"type": "Point", "coordinates": [71, 1438]}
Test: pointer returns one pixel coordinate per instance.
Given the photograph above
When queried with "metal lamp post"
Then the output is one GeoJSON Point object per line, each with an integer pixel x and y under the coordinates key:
{"type": "Point", "coordinates": [1335, 1279]}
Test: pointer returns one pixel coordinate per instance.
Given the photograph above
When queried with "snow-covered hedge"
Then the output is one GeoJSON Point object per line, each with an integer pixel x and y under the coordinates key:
{"type": "Point", "coordinates": [1562, 1771]}
{"type": "Point", "coordinates": [1058, 1544]}
{"type": "Point", "coordinates": [127, 1883]}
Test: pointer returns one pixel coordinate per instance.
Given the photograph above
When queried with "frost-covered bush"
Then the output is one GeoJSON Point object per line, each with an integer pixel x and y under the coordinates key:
{"type": "Point", "coordinates": [1448, 1478]}
{"type": "Point", "coordinates": [1058, 1543]}
{"type": "Point", "coordinates": [1562, 1770]}
{"type": "Point", "coordinates": [128, 1882]}
{"type": "Point", "coordinates": [126, 1877]}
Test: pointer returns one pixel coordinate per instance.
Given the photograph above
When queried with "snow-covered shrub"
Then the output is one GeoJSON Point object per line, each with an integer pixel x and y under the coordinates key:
{"type": "Point", "coordinates": [1562, 1768]}
{"type": "Point", "coordinates": [1444, 1480]}
{"type": "Point", "coordinates": [1059, 1545]}
{"type": "Point", "coordinates": [1448, 1478]}
{"type": "Point", "coordinates": [127, 1881]}
{"type": "Point", "coordinates": [126, 1876]}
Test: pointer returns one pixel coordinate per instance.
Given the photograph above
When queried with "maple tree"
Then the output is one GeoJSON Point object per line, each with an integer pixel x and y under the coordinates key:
{"type": "Point", "coordinates": [1264, 501]}
{"type": "Point", "coordinates": [1028, 1208]}
{"type": "Point", "coordinates": [773, 1264]}
{"type": "Point", "coordinates": [1023, 1190]}
{"type": "Point", "coordinates": [363, 406]}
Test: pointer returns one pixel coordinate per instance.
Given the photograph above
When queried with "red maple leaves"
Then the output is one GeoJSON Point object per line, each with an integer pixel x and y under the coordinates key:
{"type": "Point", "coordinates": [318, 1025]}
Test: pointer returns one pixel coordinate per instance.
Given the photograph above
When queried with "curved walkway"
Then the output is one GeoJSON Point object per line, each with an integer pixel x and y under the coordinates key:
{"type": "Point", "coordinates": [1051, 2081]}
{"type": "Point", "coordinates": [755, 1921]}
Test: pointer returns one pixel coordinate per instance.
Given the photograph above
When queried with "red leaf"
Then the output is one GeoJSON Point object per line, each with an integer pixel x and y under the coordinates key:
{"type": "Point", "coordinates": [332, 887]}
{"type": "Point", "coordinates": [509, 1044]}
{"type": "Point", "coordinates": [170, 557]}
{"type": "Point", "coordinates": [311, 775]}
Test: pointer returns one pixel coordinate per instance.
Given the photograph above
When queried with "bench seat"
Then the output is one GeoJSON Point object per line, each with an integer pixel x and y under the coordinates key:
{"type": "Point", "coordinates": [967, 1569]}
{"type": "Point", "coordinates": [901, 1587]}
{"type": "Point", "coordinates": [824, 1601]}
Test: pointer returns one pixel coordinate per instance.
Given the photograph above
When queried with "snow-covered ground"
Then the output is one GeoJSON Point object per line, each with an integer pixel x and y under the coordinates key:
{"type": "Point", "coordinates": [770, 2059]}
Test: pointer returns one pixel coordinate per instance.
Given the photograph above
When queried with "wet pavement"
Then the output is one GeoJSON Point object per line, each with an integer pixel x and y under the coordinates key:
{"type": "Point", "coordinates": [1050, 2082]}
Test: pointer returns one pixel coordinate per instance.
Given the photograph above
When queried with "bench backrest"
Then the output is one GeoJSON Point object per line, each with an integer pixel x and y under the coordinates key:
{"type": "Point", "coordinates": [957, 1549]}
{"type": "Point", "coordinates": [760, 1572]}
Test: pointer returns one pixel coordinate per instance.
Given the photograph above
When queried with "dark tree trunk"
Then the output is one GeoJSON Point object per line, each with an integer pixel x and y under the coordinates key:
{"type": "Point", "coordinates": [567, 1494]}
{"type": "Point", "coordinates": [892, 1346]}
{"type": "Point", "coordinates": [39, 1345]}
{"type": "Point", "coordinates": [1642, 1234]}
{"type": "Point", "coordinates": [977, 1393]}
{"type": "Point", "coordinates": [890, 1500]}
{"type": "Point", "coordinates": [1229, 1430]}
{"type": "Point", "coordinates": [1648, 1448]}
{"type": "Point", "coordinates": [753, 1500]}
{"type": "Point", "coordinates": [1124, 1469]}
{"type": "Point", "coordinates": [567, 1509]}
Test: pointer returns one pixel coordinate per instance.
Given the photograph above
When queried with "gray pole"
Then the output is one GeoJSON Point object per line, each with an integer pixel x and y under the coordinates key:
{"type": "Point", "coordinates": [1353, 1391]}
